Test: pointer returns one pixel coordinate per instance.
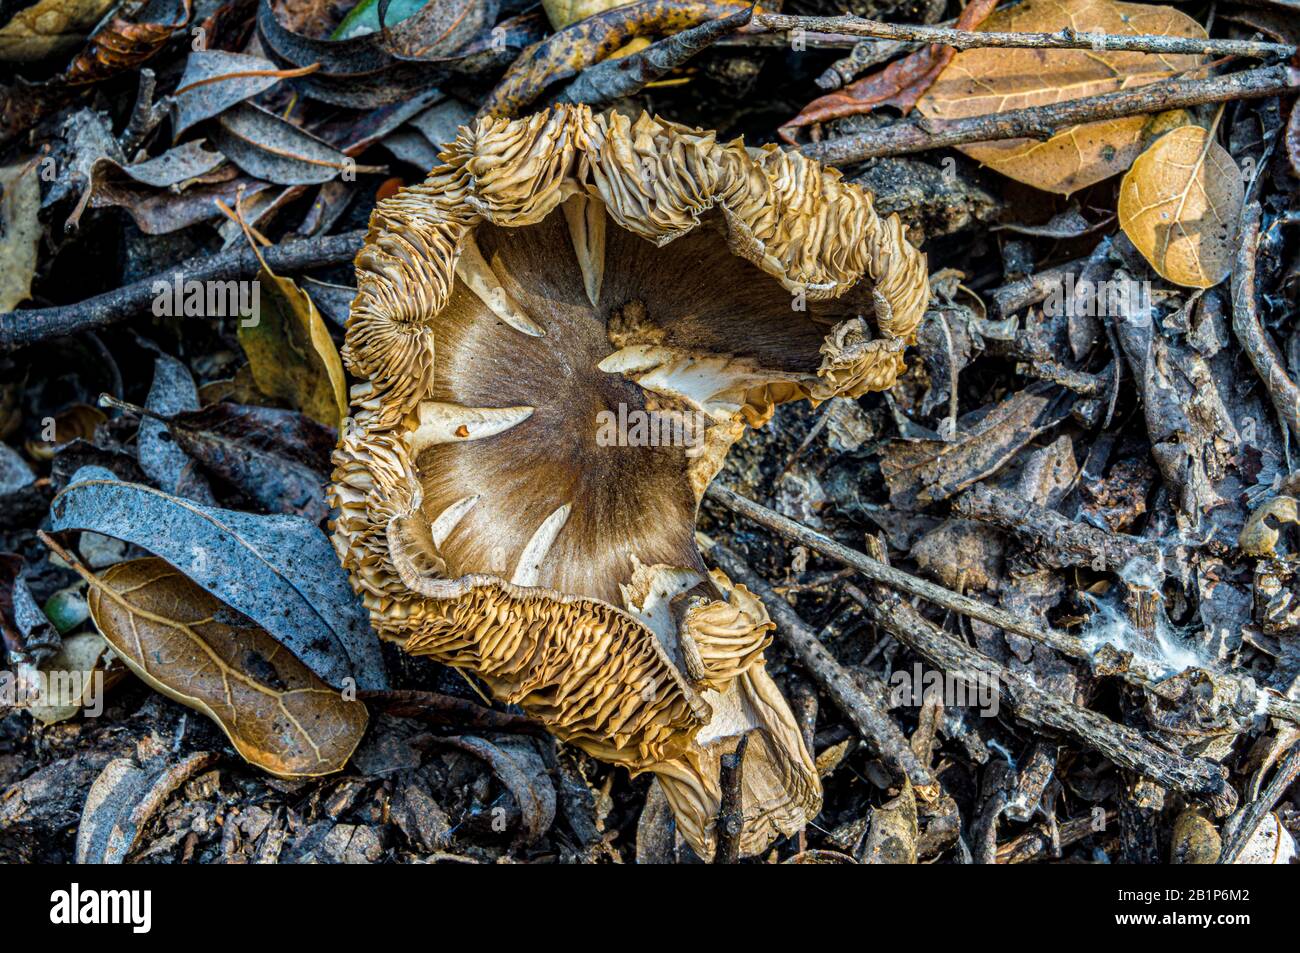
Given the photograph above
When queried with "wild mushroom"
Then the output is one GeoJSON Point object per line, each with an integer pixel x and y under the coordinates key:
{"type": "Point", "coordinates": [559, 333]}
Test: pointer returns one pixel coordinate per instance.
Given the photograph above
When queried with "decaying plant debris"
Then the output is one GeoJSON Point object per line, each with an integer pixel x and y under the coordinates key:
{"type": "Point", "coordinates": [979, 543]}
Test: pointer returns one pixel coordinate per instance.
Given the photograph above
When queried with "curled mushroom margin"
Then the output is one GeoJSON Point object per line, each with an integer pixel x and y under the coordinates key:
{"type": "Point", "coordinates": [670, 680]}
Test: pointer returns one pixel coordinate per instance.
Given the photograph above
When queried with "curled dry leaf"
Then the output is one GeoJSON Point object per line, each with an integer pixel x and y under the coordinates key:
{"type": "Point", "coordinates": [522, 771]}
{"type": "Point", "coordinates": [20, 232]}
{"type": "Point", "coordinates": [137, 186]}
{"type": "Point", "coordinates": [290, 352]}
{"type": "Point", "coordinates": [80, 678]}
{"type": "Point", "coordinates": [163, 211]}
{"type": "Point", "coordinates": [921, 472]}
{"type": "Point", "coordinates": [120, 45]}
{"type": "Point", "coordinates": [1261, 532]}
{"type": "Point", "coordinates": [438, 29]}
{"type": "Point", "coordinates": [174, 169]}
{"type": "Point", "coordinates": [279, 571]}
{"type": "Point", "coordinates": [360, 72]}
{"type": "Point", "coordinates": [982, 81]}
{"type": "Point", "coordinates": [78, 422]}
{"type": "Point", "coordinates": [121, 802]}
{"type": "Point", "coordinates": [573, 49]}
{"type": "Point", "coordinates": [192, 647]}
{"type": "Point", "coordinates": [1180, 205]}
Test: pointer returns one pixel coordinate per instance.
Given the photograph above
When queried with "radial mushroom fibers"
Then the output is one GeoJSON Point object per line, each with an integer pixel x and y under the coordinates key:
{"type": "Point", "coordinates": [557, 273]}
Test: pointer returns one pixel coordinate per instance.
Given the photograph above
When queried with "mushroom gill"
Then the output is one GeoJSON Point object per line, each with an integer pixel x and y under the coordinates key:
{"type": "Point", "coordinates": [559, 334]}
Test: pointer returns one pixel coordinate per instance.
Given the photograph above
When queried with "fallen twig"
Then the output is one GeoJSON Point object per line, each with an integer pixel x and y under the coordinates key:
{"type": "Point", "coordinates": [1138, 672]}
{"type": "Point", "coordinates": [1259, 347]}
{"type": "Point", "coordinates": [731, 815]}
{"type": "Point", "coordinates": [1033, 845]}
{"type": "Point", "coordinates": [613, 79]}
{"type": "Point", "coordinates": [1067, 39]}
{"type": "Point", "coordinates": [1041, 122]}
{"type": "Point", "coordinates": [871, 721]}
{"type": "Point", "coordinates": [434, 708]}
{"type": "Point", "coordinates": [1025, 292]}
{"type": "Point", "coordinates": [1053, 540]}
{"type": "Point", "coordinates": [26, 327]}
{"type": "Point", "coordinates": [1120, 744]}
{"type": "Point", "coordinates": [1241, 826]}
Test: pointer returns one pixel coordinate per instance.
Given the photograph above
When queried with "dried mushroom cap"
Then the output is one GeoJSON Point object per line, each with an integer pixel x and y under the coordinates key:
{"type": "Point", "coordinates": [559, 334]}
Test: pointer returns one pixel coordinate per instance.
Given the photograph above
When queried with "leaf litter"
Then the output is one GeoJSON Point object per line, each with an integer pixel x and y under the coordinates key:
{"type": "Point", "coordinates": [1077, 443]}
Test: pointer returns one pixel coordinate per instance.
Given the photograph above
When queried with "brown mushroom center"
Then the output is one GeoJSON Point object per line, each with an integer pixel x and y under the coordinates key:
{"type": "Point", "coordinates": [550, 487]}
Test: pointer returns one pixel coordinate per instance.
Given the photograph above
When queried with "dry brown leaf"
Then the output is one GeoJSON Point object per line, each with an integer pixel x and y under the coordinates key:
{"type": "Point", "coordinates": [194, 648]}
{"type": "Point", "coordinates": [982, 81]}
{"type": "Point", "coordinates": [77, 422]}
{"type": "Point", "coordinates": [72, 684]}
{"type": "Point", "coordinates": [121, 45]}
{"type": "Point", "coordinates": [1180, 205]}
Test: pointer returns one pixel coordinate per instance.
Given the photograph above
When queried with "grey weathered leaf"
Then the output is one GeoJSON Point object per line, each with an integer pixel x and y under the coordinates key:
{"type": "Point", "coordinates": [922, 472]}
{"type": "Point", "coordinates": [160, 212]}
{"type": "Point", "coordinates": [280, 571]}
{"type": "Point", "coordinates": [14, 471]}
{"type": "Point", "coordinates": [522, 771]}
{"type": "Point", "coordinates": [165, 463]}
{"type": "Point", "coordinates": [215, 80]}
{"type": "Point", "coordinates": [410, 146]}
{"type": "Point", "coordinates": [267, 147]}
{"type": "Point", "coordinates": [174, 167]}
{"type": "Point", "coordinates": [440, 123]}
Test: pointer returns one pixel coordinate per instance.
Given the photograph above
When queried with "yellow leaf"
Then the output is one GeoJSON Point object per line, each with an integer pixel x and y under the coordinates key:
{"type": "Point", "coordinates": [1180, 205]}
{"type": "Point", "coordinates": [48, 27]}
{"type": "Point", "coordinates": [20, 232]}
{"type": "Point", "coordinates": [290, 352]}
{"type": "Point", "coordinates": [192, 647]}
{"type": "Point", "coordinates": [983, 81]}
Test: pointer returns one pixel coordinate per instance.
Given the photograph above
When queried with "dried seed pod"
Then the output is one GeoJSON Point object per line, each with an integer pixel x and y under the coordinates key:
{"type": "Point", "coordinates": [560, 333]}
